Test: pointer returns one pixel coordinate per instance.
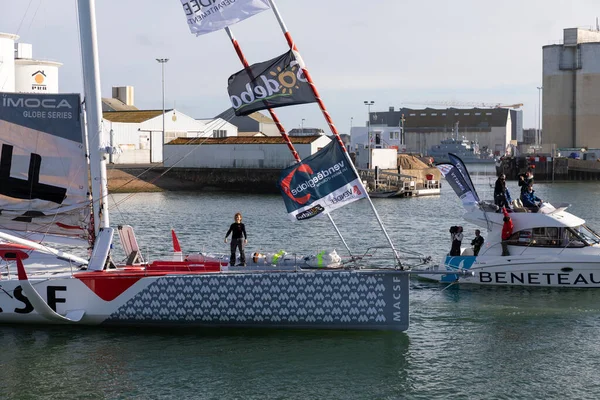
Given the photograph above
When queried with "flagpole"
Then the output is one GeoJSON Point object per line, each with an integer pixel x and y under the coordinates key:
{"type": "Point", "coordinates": [334, 130]}
{"type": "Point", "coordinates": [280, 127]}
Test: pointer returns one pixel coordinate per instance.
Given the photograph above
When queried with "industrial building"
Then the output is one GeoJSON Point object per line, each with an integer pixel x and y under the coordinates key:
{"type": "Point", "coordinates": [417, 130]}
{"type": "Point", "coordinates": [571, 90]}
{"type": "Point", "coordinates": [255, 124]}
{"type": "Point", "coordinates": [239, 152]}
{"type": "Point", "coordinates": [138, 134]}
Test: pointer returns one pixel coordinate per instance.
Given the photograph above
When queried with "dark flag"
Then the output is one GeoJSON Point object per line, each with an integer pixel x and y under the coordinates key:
{"type": "Point", "coordinates": [460, 183]}
{"type": "Point", "coordinates": [275, 83]}
{"type": "Point", "coordinates": [462, 168]}
{"type": "Point", "coordinates": [320, 183]}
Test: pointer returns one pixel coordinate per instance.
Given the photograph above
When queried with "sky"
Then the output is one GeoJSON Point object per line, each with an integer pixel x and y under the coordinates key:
{"type": "Point", "coordinates": [439, 54]}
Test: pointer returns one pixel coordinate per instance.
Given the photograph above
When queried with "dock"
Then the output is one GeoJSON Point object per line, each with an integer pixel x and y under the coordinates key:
{"type": "Point", "coordinates": [386, 184]}
{"type": "Point", "coordinates": [549, 169]}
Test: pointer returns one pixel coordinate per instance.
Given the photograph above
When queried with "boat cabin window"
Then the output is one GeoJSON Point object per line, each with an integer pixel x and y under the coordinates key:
{"type": "Point", "coordinates": [583, 233]}
{"type": "Point", "coordinates": [550, 237]}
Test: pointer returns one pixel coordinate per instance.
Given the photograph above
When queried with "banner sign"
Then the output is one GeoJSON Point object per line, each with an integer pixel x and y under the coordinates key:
{"type": "Point", "coordinates": [275, 83]}
{"type": "Point", "coordinates": [205, 16]}
{"type": "Point", "coordinates": [462, 169]}
{"type": "Point", "coordinates": [44, 184]}
{"type": "Point", "coordinates": [462, 185]}
{"type": "Point", "coordinates": [320, 183]}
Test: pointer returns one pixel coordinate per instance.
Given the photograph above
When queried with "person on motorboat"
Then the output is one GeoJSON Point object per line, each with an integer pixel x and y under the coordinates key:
{"type": "Point", "coordinates": [501, 194]}
{"type": "Point", "coordinates": [507, 231]}
{"type": "Point", "coordinates": [457, 237]}
{"type": "Point", "coordinates": [477, 242]}
{"type": "Point", "coordinates": [530, 200]}
{"type": "Point", "coordinates": [525, 179]}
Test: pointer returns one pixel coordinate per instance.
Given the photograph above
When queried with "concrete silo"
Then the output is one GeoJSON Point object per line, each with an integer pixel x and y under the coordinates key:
{"type": "Point", "coordinates": [571, 90]}
{"type": "Point", "coordinates": [7, 62]}
{"type": "Point", "coordinates": [34, 76]}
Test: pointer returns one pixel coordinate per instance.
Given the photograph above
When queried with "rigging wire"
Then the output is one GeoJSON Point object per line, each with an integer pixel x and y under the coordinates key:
{"type": "Point", "coordinates": [24, 16]}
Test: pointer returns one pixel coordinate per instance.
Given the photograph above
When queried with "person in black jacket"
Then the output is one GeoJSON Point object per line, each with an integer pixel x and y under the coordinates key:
{"type": "Point", "coordinates": [457, 237]}
{"type": "Point", "coordinates": [525, 179]}
{"type": "Point", "coordinates": [238, 240]}
{"type": "Point", "coordinates": [501, 193]}
{"type": "Point", "coordinates": [477, 242]}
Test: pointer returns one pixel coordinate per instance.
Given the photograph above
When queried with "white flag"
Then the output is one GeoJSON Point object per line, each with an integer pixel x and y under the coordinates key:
{"type": "Point", "coordinates": [205, 16]}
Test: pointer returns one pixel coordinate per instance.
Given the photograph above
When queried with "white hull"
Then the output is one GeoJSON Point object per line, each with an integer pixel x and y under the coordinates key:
{"type": "Point", "coordinates": [534, 271]}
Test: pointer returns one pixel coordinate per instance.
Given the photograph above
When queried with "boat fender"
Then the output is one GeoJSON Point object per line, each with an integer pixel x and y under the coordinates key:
{"type": "Point", "coordinates": [320, 259]}
{"type": "Point", "coordinates": [277, 256]}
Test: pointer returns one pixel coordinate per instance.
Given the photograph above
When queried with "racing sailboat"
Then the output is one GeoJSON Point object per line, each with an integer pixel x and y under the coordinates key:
{"type": "Point", "coordinates": [53, 159]}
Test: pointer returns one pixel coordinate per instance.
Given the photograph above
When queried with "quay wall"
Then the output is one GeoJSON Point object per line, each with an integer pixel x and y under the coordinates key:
{"type": "Point", "coordinates": [547, 169]}
{"type": "Point", "coordinates": [124, 179]}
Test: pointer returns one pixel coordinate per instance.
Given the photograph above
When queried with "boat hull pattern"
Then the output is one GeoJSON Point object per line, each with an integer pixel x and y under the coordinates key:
{"type": "Point", "coordinates": [340, 299]}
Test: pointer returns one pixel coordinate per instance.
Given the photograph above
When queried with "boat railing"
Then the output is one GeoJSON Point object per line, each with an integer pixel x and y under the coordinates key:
{"type": "Point", "coordinates": [380, 257]}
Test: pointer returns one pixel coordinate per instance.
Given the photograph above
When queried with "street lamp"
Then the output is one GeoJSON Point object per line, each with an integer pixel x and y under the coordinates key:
{"type": "Point", "coordinates": [402, 135]}
{"type": "Point", "coordinates": [302, 127]}
{"type": "Point", "coordinates": [539, 135]}
{"type": "Point", "coordinates": [369, 104]}
{"type": "Point", "coordinates": [162, 62]}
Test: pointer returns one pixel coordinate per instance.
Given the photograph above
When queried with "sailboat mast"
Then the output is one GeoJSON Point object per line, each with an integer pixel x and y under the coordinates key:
{"type": "Point", "coordinates": [334, 130]}
{"type": "Point", "coordinates": [93, 106]}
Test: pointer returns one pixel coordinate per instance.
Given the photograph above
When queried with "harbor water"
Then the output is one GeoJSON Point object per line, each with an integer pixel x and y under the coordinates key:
{"type": "Point", "coordinates": [463, 342]}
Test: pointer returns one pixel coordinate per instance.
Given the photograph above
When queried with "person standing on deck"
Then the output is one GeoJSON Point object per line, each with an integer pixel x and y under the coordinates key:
{"type": "Point", "coordinates": [238, 240]}
{"type": "Point", "coordinates": [457, 237]}
{"type": "Point", "coordinates": [525, 179]}
{"type": "Point", "coordinates": [501, 193]}
{"type": "Point", "coordinates": [507, 230]}
{"type": "Point", "coordinates": [477, 242]}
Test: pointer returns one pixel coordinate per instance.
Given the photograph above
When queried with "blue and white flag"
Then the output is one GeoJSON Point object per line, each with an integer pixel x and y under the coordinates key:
{"type": "Point", "coordinates": [320, 183]}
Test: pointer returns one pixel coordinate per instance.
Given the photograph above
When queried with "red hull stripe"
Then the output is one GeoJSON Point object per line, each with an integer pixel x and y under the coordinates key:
{"type": "Point", "coordinates": [108, 285]}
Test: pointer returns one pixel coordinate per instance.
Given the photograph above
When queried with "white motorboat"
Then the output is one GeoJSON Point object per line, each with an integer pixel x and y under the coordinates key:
{"type": "Point", "coordinates": [549, 248]}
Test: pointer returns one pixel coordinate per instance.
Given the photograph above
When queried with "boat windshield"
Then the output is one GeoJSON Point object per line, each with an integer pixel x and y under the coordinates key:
{"type": "Point", "coordinates": [583, 233]}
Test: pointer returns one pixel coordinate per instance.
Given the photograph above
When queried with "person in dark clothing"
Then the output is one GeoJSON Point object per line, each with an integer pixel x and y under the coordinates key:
{"type": "Point", "coordinates": [477, 242]}
{"type": "Point", "coordinates": [501, 193]}
{"type": "Point", "coordinates": [530, 200]}
{"type": "Point", "coordinates": [525, 179]}
{"type": "Point", "coordinates": [238, 240]}
{"type": "Point", "coordinates": [457, 237]}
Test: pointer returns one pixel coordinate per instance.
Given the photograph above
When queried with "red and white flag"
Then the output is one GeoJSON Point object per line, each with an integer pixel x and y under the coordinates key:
{"type": "Point", "coordinates": [205, 16]}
